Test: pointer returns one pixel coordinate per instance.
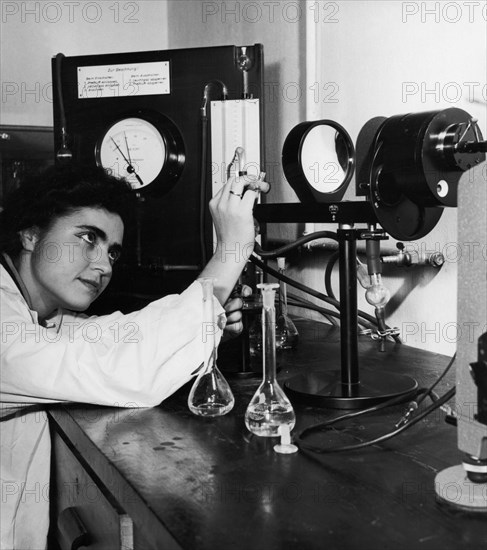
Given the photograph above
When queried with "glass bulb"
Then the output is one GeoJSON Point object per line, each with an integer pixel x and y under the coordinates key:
{"type": "Point", "coordinates": [377, 294]}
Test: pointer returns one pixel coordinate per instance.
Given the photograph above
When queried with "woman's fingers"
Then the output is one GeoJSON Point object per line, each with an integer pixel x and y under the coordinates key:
{"type": "Point", "coordinates": [233, 305]}
{"type": "Point", "coordinates": [234, 329]}
{"type": "Point", "coordinates": [233, 310]}
{"type": "Point", "coordinates": [246, 291]}
{"type": "Point", "coordinates": [239, 186]}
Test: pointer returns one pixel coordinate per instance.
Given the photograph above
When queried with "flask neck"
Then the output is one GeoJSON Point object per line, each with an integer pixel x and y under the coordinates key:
{"type": "Point", "coordinates": [208, 326]}
{"type": "Point", "coordinates": [269, 343]}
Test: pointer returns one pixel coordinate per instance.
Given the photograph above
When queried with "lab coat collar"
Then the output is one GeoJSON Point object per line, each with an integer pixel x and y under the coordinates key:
{"type": "Point", "coordinates": [54, 320]}
{"type": "Point", "coordinates": [9, 266]}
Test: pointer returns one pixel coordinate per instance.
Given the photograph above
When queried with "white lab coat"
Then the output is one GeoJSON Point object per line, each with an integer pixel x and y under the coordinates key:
{"type": "Point", "coordinates": [134, 360]}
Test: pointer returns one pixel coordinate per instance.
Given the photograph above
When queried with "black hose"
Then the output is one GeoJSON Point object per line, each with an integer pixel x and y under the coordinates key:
{"type": "Point", "coordinates": [204, 154]}
{"type": "Point", "coordinates": [295, 301]}
{"type": "Point", "coordinates": [306, 289]}
{"type": "Point", "coordinates": [63, 154]}
{"type": "Point", "coordinates": [330, 299]}
{"type": "Point", "coordinates": [328, 271]}
{"type": "Point", "coordinates": [59, 90]}
{"type": "Point", "coordinates": [283, 250]}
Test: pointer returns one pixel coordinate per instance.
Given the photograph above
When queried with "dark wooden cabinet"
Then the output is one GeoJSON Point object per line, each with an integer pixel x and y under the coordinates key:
{"type": "Point", "coordinates": [23, 150]}
{"type": "Point", "coordinates": [85, 512]}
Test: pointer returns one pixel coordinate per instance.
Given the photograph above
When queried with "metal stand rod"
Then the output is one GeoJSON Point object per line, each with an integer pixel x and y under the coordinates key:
{"type": "Point", "coordinates": [346, 388]}
{"type": "Point", "coordinates": [349, 311]}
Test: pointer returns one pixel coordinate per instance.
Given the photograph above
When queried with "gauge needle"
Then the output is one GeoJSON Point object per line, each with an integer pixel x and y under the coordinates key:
{"type": "Point", "coordinates": [130, 168]}
{"type": "Point", "coordinates": [128, 150]}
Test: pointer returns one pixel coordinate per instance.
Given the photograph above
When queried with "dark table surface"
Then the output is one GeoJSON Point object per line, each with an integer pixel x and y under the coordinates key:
{"type": "Point", "coordinates": [213, 485]}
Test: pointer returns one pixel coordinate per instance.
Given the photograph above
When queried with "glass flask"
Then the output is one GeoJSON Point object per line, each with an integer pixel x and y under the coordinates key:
{"type": "Point", "coordinates": [286, 332]}
{"type": "Point", "coordinates": [269, 408]}
{"type": "Point", "coordinates": [210, 395]}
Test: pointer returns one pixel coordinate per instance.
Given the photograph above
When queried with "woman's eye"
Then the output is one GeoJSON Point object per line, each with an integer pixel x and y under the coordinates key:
{"type": "Point", "coordinates": [90, 238]}
{"type": "Point", "coordinates": [114, 255]}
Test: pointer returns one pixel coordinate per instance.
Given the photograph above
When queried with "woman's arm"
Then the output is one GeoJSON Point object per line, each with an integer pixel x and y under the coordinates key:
{"type": "Point", "coordinates": [132, 360]}
{"type": "Point", "coordinates": [231, 210]}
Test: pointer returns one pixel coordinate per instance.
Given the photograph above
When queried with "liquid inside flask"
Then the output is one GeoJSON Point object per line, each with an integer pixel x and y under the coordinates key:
{"type": "Point", "coordinates": [210, 395]}
{"type": "Point", "coordinates": [269, 408]}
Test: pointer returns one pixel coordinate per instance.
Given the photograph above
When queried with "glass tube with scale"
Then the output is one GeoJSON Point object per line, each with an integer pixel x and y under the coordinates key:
{"type": "Point", "coordinates": [210, 395]}
{"type": "Point", "coordinates": [255, 328]}
{"type": "Point", "coordinates": [269, 408]}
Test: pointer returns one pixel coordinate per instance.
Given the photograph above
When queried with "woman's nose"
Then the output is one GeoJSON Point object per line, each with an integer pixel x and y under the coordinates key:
{"type": "Point", "coordinates": [102, 262]}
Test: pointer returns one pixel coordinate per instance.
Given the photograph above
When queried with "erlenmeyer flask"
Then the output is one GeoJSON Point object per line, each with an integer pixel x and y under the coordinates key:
{"type": "Point", "coordinates": [210, 395]}
{"type": "Point", "coordinates": [286, 332]}
{"type": "Point", "coordinates": [269, 408]}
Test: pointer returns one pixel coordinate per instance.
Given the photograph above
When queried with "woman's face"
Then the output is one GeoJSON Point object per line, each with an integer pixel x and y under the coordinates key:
{"type": "Point", "coordinates": [71, 263]}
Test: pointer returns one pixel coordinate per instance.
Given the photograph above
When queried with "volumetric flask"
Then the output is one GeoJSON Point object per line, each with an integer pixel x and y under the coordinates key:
{"type": "Point", "coordinates": [210, 395]}
{"type": "Point", "coordinates": [269, 408]}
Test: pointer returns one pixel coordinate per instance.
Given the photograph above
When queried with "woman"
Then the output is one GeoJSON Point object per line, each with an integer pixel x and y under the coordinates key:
{"type": "Point", "coordinates": [60, 237]}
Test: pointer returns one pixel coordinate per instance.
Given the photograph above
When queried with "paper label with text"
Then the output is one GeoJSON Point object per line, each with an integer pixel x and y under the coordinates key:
{"type": "Point", "coordinates": [131, 79]}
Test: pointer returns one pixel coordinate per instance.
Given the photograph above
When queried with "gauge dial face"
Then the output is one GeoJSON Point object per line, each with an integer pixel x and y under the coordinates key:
{"type": "Point", "coordinates": [134, 149]}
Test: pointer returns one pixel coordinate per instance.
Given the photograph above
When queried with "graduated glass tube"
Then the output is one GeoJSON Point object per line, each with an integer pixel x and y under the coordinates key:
{"type": "Point", "coordinates": [255, 326]}
{"type": "Point", "coordinates": [269, 408]}
{"type": "Point", "coordinates": [286, 332]}
{"type": "Point", "coordinates": [210, 395]}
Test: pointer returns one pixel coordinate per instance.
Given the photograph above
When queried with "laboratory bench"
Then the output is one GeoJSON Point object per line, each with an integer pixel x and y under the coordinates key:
{"type": "Point", "coordinates": [163, 479]}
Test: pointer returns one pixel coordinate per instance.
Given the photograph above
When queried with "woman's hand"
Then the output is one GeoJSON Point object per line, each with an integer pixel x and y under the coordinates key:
{"type": "Point", "coordinates": [232, 213]}
{"type": "Point", "coordinates": [233, 309]}
{"type": "Point", "coordinates": [231, 209]}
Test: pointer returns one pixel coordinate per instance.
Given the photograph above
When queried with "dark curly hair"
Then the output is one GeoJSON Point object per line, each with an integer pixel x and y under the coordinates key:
{"type": "Point", "coordinates": [59, 190]}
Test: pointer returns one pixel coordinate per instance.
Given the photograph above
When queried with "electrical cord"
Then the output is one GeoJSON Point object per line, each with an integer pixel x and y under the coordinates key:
{"type": "Point", "coordinates": [414, 405]}
{"type": "Point", "coordinates": [322, 427]}
{"type": "Point", "coordinates": [400, 426]}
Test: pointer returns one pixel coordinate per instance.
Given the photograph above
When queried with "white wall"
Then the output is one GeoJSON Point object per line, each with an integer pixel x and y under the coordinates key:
{"type": "Point", "coordinates": [32, 32]}
{"type": "Point", "coordinates": [395, 56]}
{"type": "Point", "coordinates": [391, 57]}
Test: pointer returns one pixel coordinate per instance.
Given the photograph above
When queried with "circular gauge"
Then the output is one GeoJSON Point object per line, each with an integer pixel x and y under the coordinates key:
{"type": "Point", "coordinates": [134, 149]}
{"type": "Point", "coordinates": [144, 150]}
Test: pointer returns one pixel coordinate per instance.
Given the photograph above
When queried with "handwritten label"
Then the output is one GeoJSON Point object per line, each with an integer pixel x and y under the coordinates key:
{"type": "Point", "coordinates": [133, 79]}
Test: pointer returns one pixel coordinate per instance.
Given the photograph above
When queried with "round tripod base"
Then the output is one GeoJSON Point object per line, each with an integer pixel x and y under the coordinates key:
{"type": "Point", "coordinates": [325, 389]}
{"type": "Point", "coordinates": [453, 488]}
